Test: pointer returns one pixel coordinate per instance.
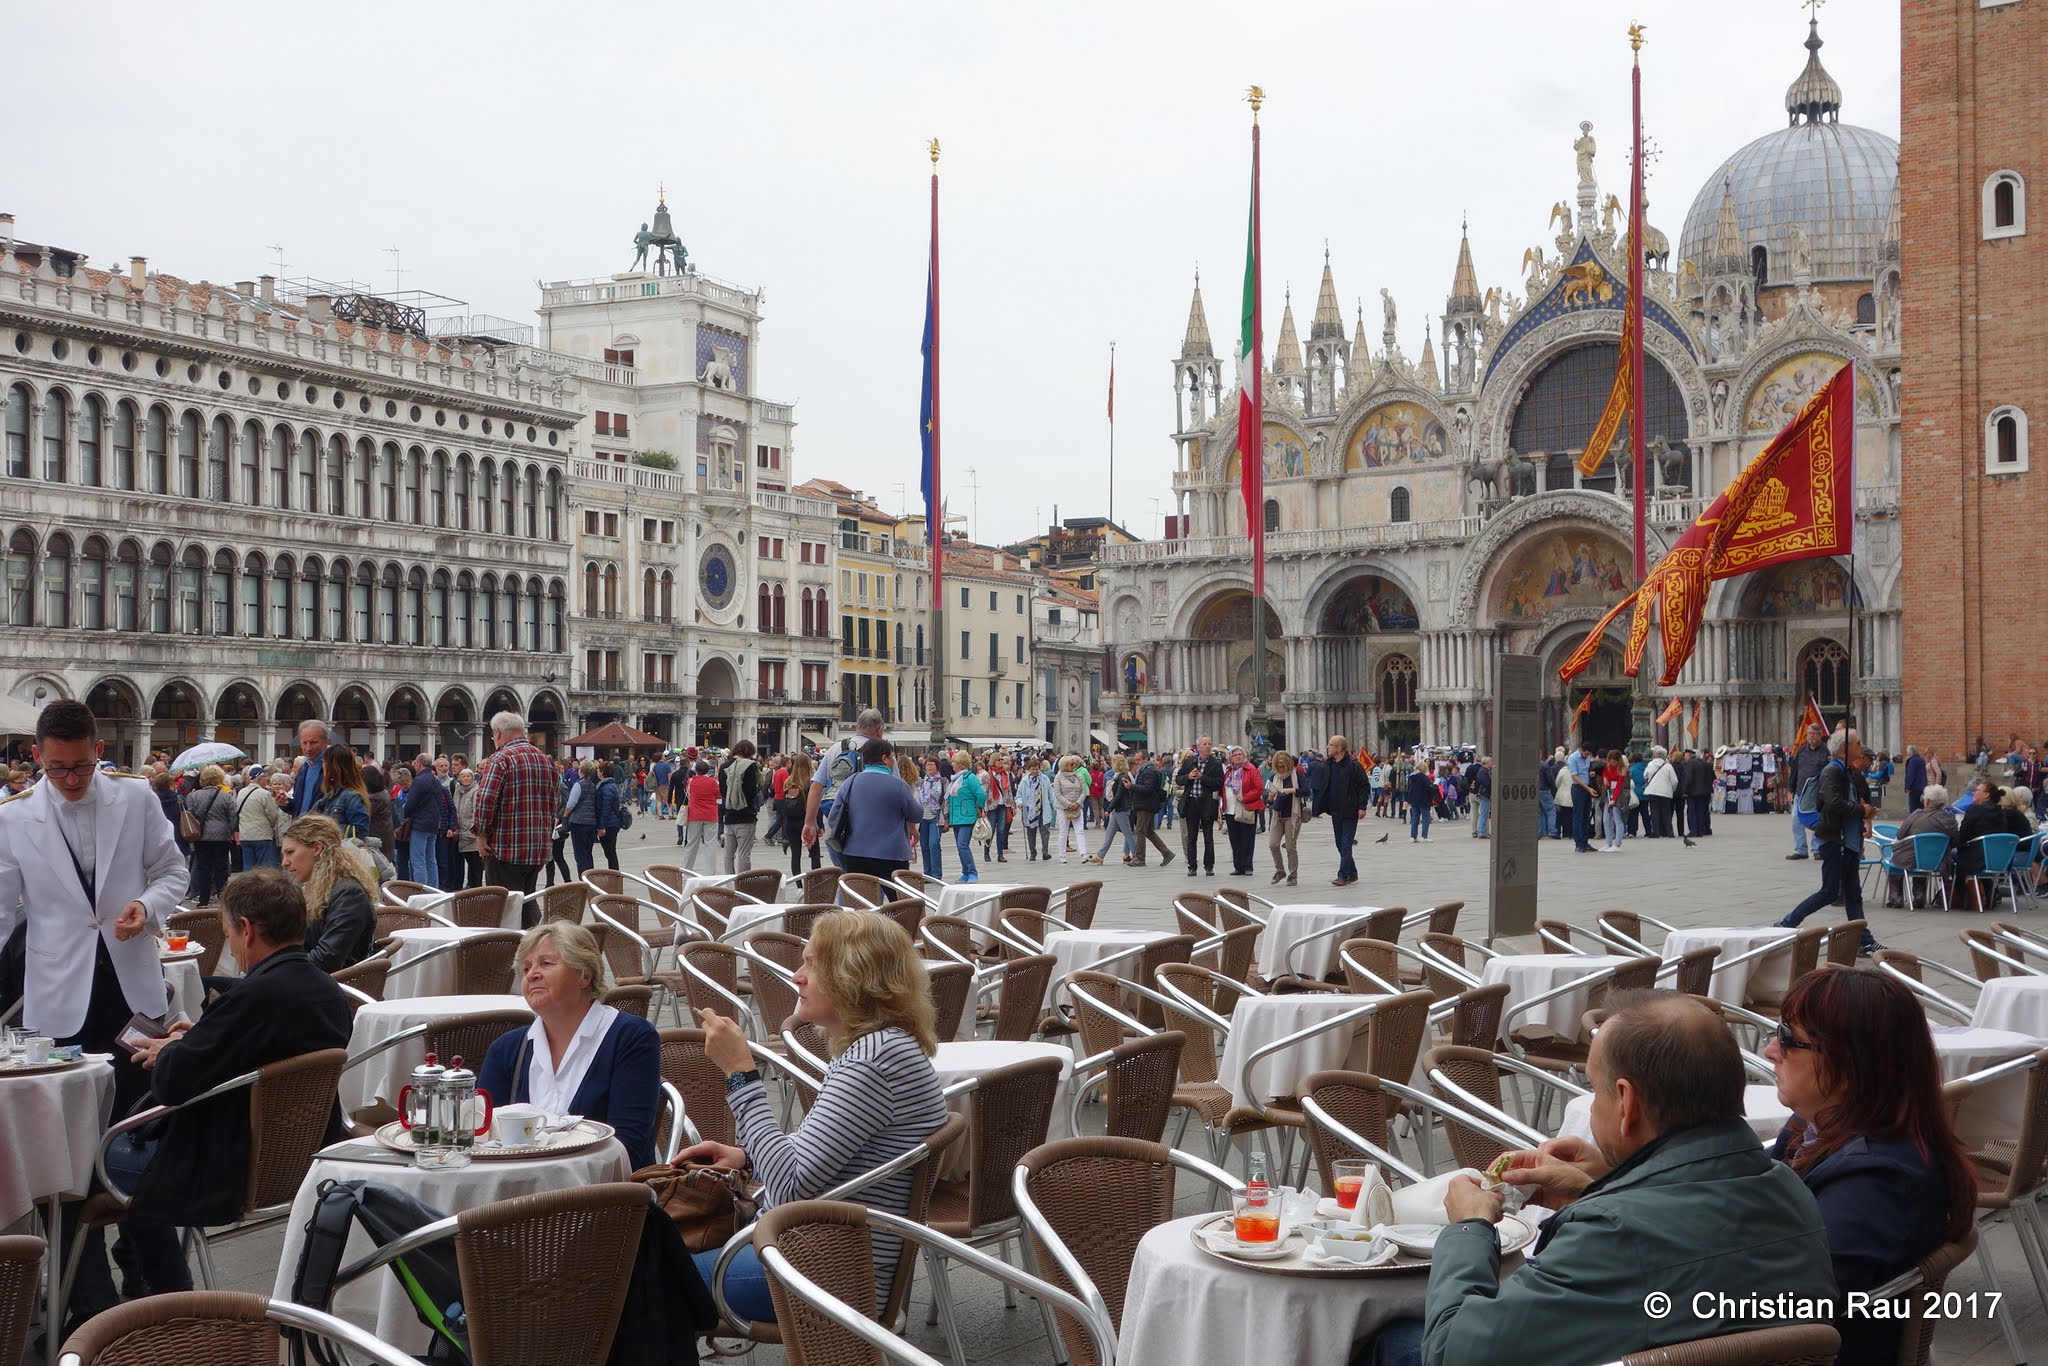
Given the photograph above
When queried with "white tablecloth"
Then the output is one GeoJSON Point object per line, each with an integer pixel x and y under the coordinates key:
{"type": "Point", "coordinates": [1185, 1306]}
{"type": "Point", "coordinates": [381, 1077]}
{"type": "Point", "coordinates": [1996, 1109]}
{"type": "Point", "coordinates": [379, 1302]}
{"type": "Point", "coordinates": [50, 1127]}
{"type": "Point", "coordinates": [747, 918]}
{"type": "Point", "coordinates": [437, 902]}
{"type": "Point", "coordinates": [1289, 923]}
{"type": "Point", "coordinates": [955, 897]}
{"type": "Point", "coordinates": [2018, 1004]}
{"type": "Point", "coordinates": [1760, 1105]}
{"type": "Point", "coordinates": [1259, 1020]}
{"type": "Point", "coordinates": [188, 990]}
{"type": "Point", "coordinates": [436, 977]}
{"type": "Point", "coordinates": [1529, 975]}
{"type": "Point", "coordinates": [1770, 974]}
{"type": "Point", "coordinates": [956, 1061]}
{"type": "Point", "coordinates": [1081, 950]}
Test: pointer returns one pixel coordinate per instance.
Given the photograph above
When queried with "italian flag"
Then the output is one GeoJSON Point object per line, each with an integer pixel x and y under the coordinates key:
{"type": "Point", "coordinates": [1250, 407]}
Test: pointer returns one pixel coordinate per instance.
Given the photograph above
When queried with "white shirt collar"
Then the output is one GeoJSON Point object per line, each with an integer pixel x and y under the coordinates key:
{"type": "Point", "coordinates": [551, 1086]}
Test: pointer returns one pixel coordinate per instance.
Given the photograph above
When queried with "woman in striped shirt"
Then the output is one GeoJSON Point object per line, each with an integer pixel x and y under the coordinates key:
{"type": "Point", "coordinates": [863, 983]}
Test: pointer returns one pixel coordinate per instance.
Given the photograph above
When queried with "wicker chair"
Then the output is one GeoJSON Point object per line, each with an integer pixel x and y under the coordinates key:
{"type": "Point", "coordinates": [1475, 1071]}
{"type": "Point", "coordinates": [713, 908]}
{"type": "Point", "coordinates": [1443, 917]}
{"type": "Point", "coordinates": [1138, 1090]}
{"type": "Point", "coordinates": [1234, 908]}
{"type": "Point", "coordinates": [1843, 941]}
{"type": "Point", "coordinates": [626, 950]}
{"type": "Point", "coordinates": [1380, 957]}
{"type": "Point", "coordinates": [479, 908]}
{"type": "Point", "coordinates": [918, 885]}
{"type": "Point", "coordinates": [607, 881]}
{"type": "Point", "coordinates": [1233, 955]}
{"type": "Point", "coordinates": [1199, 914]}
{"type": "Point", "coordinates": [819, 887]}
{"type": "Point", "coordinates": [774, 993]}
{"type": "Point", "coordinates": [1098, 1198]}
{"type": "Point", "coordinates": [1354, 1100]}
{"type": "Point", "coordinates": [1398, 1028]}
{"type": "Point", "coordinates": [1030, 928]}
{"type": "Point", "coordinates": [1449, 946]}
{"type": "Point", "coordinates": [797, 920]}
{"type": "Point", "coordinates": [1555, 1054]}
{"type": "Point", "coordinates": [1021, 998]}
{"type": "Point", "coordinates": [951, 935]}
{"type": "Point", "coordinates": [1984, 950]}
{"type": "Point", "coordinates": [765, 884]}
{"type": "Point", "coordinates": [950, 984]}
{"type": "Point", "coordinates": [21, 1262]}
{"type": "Point", "coordinates": [634, 998]}
{"type": "Point", "coordinates": [1805, 957]}
{"type": "Point", "coordinates": [1008, 1111]}
{"type": "Point", "coordinates": [390, 920]}
{"type": "Point", "coordinates": [210, 1328]}
{"type": "Point", "coordinates": [1804, 1344]}
{"type": "Point", "coordinates": [1025, 899]}
{"type": "Point", "coordinates": [1078, 909]}
{"type": "Point", "coordinates": [720, 964]}
{"type": "Point", "coordinates": [2010, 1172]}
{"type": "Point", "coordinates": [484, 963]}
{"type": "Point", "coordinates": [1098, 1010]}
{"type": "Point", "coordinates": [1695, 975]}
{"type": "Point", "coordinates": [863, 891]}
{"type": "Point", "coordinates": [565, 901]}
{"type": "Point", "coordinates": [470, 1036]}
{"type": "Point", "coordinates": [701, 1083]}
{"type": "Point", "coordinates": [289, 1105]}
{"type": "Point", "coordinates": [906, 911]}
{"type": "Point", "coordinates": [204, 929]}
{"type": "Point", "coordinates": [367, 977]}
{"type": "Point", "coordinates": [1162, 953]}
{"type": "Point", "coordinates": [398, 891]}
{"type": "Point", "coordinates": [1475, 1020]}
{"type": "Point", "coordinates": [544, 1276]}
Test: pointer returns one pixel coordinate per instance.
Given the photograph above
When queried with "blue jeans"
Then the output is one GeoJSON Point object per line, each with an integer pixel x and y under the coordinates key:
{"type": "Point", "coordinates": [259, 854]}
{"type": "Point", "coordinates": [963, 840]}
{"type": "Point", "coordinates": [583, 837]}
{"type": "Point", "coordinates": [425, 850]}
{"type": "Point", "coordinates": [928, 845]}
{"type": "Point", "coordinates": [1484, 806]}
{"type": "Point", "coordinates": [746, 1284]}
{"type": "Point", "coordinates": [1397, 1344]}
{"type": "Point", "coordinates": [1418, 820]}
{"type": "Point", "coordinates": [1546, 814]}
{"type": "Point", "coordinates": [1799, 842]}
{"type": "Point", "coordinates": [1582, 817]}
{"type": "Point", "coordinates": [1612, 818]}
{"type": "Point", "coordinates": [1841, 874]}
{"type": "Point", "coordinates": [1119, 821]}
{"type": "Point", "coordinates": [1345, 829]}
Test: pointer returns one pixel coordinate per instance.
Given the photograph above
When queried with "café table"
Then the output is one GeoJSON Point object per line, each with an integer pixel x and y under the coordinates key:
{"type": "Point", "coordinates": [379, 1299]}
{"type": "Point", "coordinates": [959, 1060]}
{"type": "Point", "coordinates": [1529, 975]}
{"type": "Point", "coordinates": [438, 976]}
{"type": "Point", "coordinates": [1260, 1020]}
{"type": "Point", "coordinates": [51, 1124]}
{"type": "Point", "coordinates": [2017, 1004]}
{"type": "Point", "coordinates": [958, 898]}
{"type": "Point", "coordinates": [380, 1078]}
{"type": "Point", "coordinates": [1767, 976]}
{"type": "Point", "coordinates": [187, 990]}
{"type": "Point", "coordinates": [1287, 924]}
{"type": "Point", "coordinates": [1082, 950]}
{"type": "Point", "coordinates": [1184, 1305]}
{"type": "Point", "coordinates": [1996, 1109]}
{"type": "Point", "coordinates": [1760, 1106]}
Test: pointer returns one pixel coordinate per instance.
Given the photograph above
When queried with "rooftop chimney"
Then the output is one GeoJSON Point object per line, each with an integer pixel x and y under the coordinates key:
{"type": "Point", "coordinates": [246, 288]}
{"type": "Point", "coordinates": [320, 307]}
{"type": "Point", "coordinates": [6, 231]}
{"type": "Point", "coordinates": [269, 285]}
{"type": "Point", "coordinates": [138, 272]}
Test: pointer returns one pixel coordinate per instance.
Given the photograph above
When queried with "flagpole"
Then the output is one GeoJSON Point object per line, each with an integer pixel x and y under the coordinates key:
{"type": "Point", "coordinates": [935, 517]}
{"type": "Point", "coordinates": [1639, 707]}
{"type": "Point", "coordinates": [1112, 431]}
{"type": "Point", "coordinates": [1255, 525]}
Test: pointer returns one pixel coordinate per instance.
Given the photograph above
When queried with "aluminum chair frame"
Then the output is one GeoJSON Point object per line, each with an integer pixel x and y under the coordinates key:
{"type": "Point", "coordinates": [2024, 1215]}
{"type": "Point", "coordinates": [1563, 943]}
{"type": "Point", "coordinates": [1922, 867]}
{"type": "Point", "coordinates": [1345, 960]}
{"type": "Point", "coordinates": [1619, 940]}
{"type": "Point", "coordinates": [1456, 972]}
{"type": "Point", "coordinates": [1497, 1118]}
{"type": "Point", "coordinates": [286, 1314]}
{"type": "Point", "coordinates": [1344, 928]}
{"type": "Point", "coordinates": [1318, 1116]}
{"type": "Point", "coordinates": [1928, 995]}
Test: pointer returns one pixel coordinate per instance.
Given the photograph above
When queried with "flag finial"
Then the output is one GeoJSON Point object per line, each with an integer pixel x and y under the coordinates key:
{"type": "Point", "coordinates": [1256, 96]}
{"type": "Point", "coordinates": [935, 153]}
{"type": "Point", "coordinates": [1635, 37]}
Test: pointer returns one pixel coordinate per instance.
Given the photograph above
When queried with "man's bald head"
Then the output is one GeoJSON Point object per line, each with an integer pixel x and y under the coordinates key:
{"type": "Point", "coordinates": [1678, 1055]}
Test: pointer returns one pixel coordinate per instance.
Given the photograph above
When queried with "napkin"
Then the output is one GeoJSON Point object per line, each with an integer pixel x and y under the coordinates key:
{"type": "Point", "coordinates": [1375, 1200]}
{"type": "Point", "coordinates": [1423, 1203]}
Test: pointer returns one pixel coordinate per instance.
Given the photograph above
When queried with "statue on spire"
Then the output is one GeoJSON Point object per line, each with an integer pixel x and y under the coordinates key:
{"type": "Point", "coordinates": [1585, 147]}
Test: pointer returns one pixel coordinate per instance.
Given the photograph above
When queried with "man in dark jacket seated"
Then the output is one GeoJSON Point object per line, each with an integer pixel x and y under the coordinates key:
{"type": "Point", "coordinates": [193, 1169]}
{"type": "Point", "coordinates": [1675, 1207]}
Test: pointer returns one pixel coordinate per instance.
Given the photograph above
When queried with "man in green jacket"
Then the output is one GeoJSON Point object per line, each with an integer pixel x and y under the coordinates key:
{"type": "Point", "coordinates": [1677, 1226]}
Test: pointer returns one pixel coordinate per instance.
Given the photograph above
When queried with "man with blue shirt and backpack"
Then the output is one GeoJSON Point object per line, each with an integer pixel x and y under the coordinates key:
{"type": "Point", "coordinates": [1835, 806]}
{"type": "Point", "coordinates": [835, 766]}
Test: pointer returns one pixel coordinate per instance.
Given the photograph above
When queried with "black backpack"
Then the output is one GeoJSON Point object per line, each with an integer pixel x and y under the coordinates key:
{"type": "Point", "coordinates": [428, 1274]}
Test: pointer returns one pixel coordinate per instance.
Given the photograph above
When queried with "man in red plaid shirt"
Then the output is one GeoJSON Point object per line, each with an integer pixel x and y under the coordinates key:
{"type": "Point", "coordinates": [516, 799]}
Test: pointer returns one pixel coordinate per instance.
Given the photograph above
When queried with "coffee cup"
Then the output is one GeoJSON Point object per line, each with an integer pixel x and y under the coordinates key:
{"type": "Point", "coordinates": [35, 1051]}
{"type": "Point", "coordinates": [518, 1126]}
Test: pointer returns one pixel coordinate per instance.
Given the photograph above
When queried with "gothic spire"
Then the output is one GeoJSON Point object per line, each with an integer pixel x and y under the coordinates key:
{"type": "Point", "coordinates": [1464, 280]}
{"type": "Point", "coordinates": [1196, 342]}
{"type": "Point", "coordinates": [1726, 256]}
{"type": "Point", "coordinates": [1287, 359]}
{"type": "Point", "coordinates": [1425, 369]}
{"type": "Point", "coordinates": [1329, 319]}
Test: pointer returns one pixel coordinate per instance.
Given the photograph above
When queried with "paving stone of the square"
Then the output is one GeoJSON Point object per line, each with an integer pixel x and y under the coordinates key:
{"type": "Point", "coordinates": [1738, 876]}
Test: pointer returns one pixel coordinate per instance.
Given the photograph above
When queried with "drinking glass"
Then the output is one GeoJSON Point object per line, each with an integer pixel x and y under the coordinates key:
{"type": "Point", "coordinates": [1350, 1176]}
{"type": "Point", "coordinates": [1256, 1220]}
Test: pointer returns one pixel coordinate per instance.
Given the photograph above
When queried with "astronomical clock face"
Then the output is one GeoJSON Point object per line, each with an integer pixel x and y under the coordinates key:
{"type": "Point", "coordinates": [717, 576]}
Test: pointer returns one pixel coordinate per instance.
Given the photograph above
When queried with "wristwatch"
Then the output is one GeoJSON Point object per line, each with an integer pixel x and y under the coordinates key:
{"type": "Point", "coordinates": [735, 1080]}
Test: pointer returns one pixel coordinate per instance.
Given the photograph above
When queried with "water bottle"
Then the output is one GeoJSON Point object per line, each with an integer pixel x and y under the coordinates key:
{"type": "Point", "coordinates": [1255, 1187]}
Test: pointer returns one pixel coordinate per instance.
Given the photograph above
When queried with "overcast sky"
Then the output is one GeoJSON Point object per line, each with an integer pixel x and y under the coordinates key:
{"type": "Point", "coordinates": [1093, 155]}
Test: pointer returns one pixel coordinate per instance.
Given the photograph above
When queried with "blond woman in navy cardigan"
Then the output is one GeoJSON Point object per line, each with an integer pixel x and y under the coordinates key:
{"type": "Point", "coordinates": [580, 1056]}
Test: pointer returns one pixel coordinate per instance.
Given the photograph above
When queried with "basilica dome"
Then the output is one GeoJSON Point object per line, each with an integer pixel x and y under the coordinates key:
{"type": "Point", "coordinates": [1830, 178]}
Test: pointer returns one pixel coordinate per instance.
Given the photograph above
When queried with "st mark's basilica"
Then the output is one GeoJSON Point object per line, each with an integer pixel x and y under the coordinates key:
{"type": "Point", "coordinates": [1424, 514]}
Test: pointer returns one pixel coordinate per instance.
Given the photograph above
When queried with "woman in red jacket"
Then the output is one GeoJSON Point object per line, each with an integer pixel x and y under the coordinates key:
{"type": "Point", "coordinates": [1244, 798]}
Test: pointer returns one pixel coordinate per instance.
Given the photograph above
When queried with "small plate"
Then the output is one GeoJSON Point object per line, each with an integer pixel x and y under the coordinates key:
{"type": "Point", "coordinates": [15, 1067]}
{"type": "Point", "coordinates": [587, 1134]}
{"type": "Point", "coordinates": [1417, 1240]}
{"type": "Point", "coordinates": [190, 951]}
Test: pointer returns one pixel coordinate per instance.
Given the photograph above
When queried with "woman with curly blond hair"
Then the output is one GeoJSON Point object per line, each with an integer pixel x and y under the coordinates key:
{"type": "Point", "coordinates": [863, 984]}
{"type": "Point", "coordinates": [340, 889]}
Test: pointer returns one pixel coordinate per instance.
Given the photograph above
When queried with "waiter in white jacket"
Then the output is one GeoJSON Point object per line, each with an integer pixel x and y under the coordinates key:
{"type": "Point", "coordinates": [93, 865]}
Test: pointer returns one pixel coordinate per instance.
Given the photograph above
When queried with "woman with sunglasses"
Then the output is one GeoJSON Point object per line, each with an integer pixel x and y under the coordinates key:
{"type": "Point", "coordinates": [1869, 1135]}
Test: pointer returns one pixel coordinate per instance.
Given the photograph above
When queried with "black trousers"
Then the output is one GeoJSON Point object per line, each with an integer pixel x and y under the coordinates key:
{"type": "Point", "coordinates": [1199, 823]}
{"type": "Point", "coordinates": [517, 877]}
{"type": "Point", "coordinates": [1244, 837]}
{"type": "Point", "coordinates": [880, 867]}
